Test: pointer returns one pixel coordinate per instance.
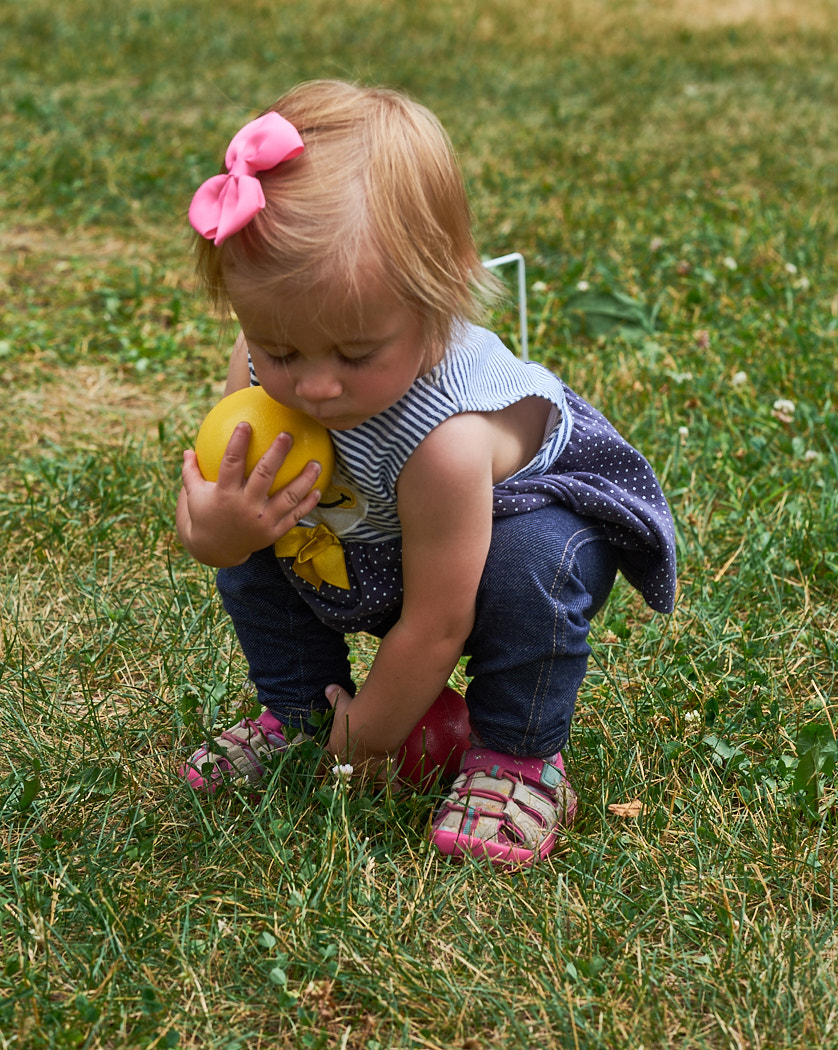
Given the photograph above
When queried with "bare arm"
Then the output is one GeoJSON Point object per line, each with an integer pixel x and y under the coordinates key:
{"type": "Point", "coordinates": [238, 372]}
{"type": "Point", "coordinates": [445, 505]}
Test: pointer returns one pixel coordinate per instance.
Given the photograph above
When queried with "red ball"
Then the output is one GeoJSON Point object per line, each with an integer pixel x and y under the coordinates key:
{"type": "Point", "coordinates": [437, 743]}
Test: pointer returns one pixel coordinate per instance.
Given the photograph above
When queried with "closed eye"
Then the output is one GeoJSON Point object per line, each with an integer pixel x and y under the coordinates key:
{"type": "Point", "coordinates": [351, 356]}
{"type": "Point", "coordinates": [358, 361]}
{"type": "Point", "coordinates": [275, 355]}
{"type": "Point", "coordinates": [282, 359]}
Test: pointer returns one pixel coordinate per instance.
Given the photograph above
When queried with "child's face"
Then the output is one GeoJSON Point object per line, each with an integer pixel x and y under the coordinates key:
{"type": "Point", "coordinates": [339, 364]}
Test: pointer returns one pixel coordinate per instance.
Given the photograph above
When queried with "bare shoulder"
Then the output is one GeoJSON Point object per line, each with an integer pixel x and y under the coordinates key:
{"type": "Point", "coordinates": [456, 451]}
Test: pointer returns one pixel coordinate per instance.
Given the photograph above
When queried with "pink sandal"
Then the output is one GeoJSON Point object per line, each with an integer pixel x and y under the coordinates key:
{"type": "Point", "coordinates": [504, 808]}
{"type": "Point", "coordinates": [237, 754]}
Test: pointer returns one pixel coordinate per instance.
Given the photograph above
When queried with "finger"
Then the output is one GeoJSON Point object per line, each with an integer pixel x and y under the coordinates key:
{"type": "Point", "coordinates": [297, 498]}
{"type": "Point", "coordinates": [265, 471]}
{"type": "Point", "coordinates": [190, 471]}
{"type": "Point", "coordinates": [233, 464]}
{"type": "Point", "coordinates": [263, 474]}
{"type": "Point", "coordinates": [335, 694]}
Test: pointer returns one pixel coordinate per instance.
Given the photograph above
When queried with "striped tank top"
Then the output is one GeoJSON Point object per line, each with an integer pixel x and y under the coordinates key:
{"type": "Point", "coordinates": [477, 374]}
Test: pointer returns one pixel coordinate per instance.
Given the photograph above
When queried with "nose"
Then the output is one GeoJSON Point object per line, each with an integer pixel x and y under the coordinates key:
{"type": "Point", "coordinates": [317, 382]}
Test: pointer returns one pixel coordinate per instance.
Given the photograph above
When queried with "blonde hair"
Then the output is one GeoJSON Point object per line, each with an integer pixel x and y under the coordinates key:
{"type": "Point", "coordinates": [377, 185]}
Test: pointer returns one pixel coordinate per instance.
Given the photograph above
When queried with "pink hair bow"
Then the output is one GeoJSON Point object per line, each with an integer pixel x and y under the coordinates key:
{"type": "Point", "coordinates": [225, 204]}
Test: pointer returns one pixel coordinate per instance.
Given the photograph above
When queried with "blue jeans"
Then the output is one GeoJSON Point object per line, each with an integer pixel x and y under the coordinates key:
{"type": "Point", "coordinates": [547, 573]}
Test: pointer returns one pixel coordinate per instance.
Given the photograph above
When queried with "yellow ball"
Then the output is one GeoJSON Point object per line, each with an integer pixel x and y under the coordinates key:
{"type": "Point", "coordinates": [267, 418]}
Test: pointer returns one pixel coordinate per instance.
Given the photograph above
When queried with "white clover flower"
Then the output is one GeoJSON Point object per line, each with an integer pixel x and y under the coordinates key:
{"type": "Point", "coordinates": [692, 716]}
{"type": "Point", "coordinates": [739, 379]}
{"type": "Point", "coordinates": [684, 433]}
{"type": "Point", "coordinates": [730, 263]}
{"type": "Point", "coordinates": [539, 286]}
{"type": "Point", "coordinates": [656, 244]}
{"type": "Point", "coordinates": [810, 455]}
{"type": "Point", "coordinates": [791, 268]}
{"type": "Point", "coordinates": [344, 771]}
{"type": "Point", "coordinates": [783, 410]}
{"type": "Point", "coordinates": [803, 283]}
{"type": "Point", "coordinates": [582, 286]}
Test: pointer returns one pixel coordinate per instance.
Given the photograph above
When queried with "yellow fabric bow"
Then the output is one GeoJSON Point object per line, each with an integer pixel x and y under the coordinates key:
{"type": "Point", "coordinates": [317, 553]}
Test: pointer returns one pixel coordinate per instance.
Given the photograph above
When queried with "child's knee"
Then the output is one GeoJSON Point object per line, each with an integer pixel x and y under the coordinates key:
{"type": "Point", "coordinates": [550, 555]}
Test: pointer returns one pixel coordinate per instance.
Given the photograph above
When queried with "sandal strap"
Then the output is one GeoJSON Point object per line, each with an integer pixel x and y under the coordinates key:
{"type": "Point", "coordinates": [504, 800]}
{"type": "Point", "coordinates": [239, 750]}
{"type": "Point", "coordinates": [510, 793]}
{"type": "Point", "coordinates": [243, 746]}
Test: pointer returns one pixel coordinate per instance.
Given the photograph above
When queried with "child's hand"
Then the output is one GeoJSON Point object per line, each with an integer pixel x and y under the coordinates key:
{"type": "Point", "coordinates": [222, 523]}
{"type": "Point", "coordinates": [344, 749]}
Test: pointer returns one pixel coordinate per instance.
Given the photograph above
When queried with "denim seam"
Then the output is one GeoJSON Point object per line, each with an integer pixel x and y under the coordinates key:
{"type": "Point", "coordinates": [559, 580]}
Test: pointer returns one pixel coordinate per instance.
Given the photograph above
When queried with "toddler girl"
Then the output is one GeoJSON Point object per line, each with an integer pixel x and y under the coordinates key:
{"type": "Point", "coordinates": [479, 506]}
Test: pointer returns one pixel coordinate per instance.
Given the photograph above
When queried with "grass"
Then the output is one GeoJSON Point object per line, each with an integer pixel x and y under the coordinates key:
{"type": "Point", "coordinates": [669, 172]}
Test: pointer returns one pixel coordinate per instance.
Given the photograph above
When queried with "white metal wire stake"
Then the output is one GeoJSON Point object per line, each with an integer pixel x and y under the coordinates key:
{"type": "Point", "coordinates": [516, 257]}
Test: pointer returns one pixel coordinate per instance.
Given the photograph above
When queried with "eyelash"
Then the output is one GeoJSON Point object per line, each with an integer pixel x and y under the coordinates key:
{"type": "Point", "coordinates": [357, 362]}
{"type": "Point", "coordinates": [277, 361]}
{"type": "Point", "coordinates": [350, 362]}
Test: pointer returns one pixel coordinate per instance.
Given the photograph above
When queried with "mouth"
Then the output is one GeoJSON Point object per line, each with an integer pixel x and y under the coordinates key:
{"type": "Point", "coordinates": [322, 418]}
{"type": "Point", "coordinates": [338, 421]}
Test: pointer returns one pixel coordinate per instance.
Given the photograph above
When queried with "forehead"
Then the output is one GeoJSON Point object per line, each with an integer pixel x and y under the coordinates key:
{"type": "Point", "coordinates": [365, 309]}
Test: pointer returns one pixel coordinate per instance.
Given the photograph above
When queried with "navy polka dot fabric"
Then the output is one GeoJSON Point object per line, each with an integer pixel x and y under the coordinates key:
{"type": "Point", "coordinates": [600, 476]}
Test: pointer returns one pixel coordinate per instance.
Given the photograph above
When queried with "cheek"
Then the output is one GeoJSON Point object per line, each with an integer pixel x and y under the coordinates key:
{"type": "Point", "coordinates": [387, 386]}
{"type": "Point", "coordinates": [274, 382]}
{"type": "Point", "coordinates": [268, 372]}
